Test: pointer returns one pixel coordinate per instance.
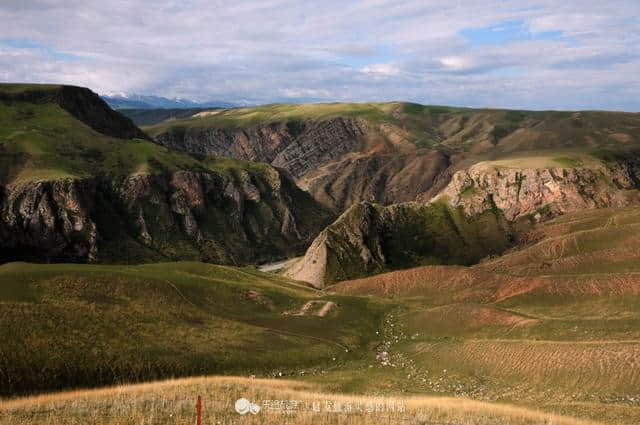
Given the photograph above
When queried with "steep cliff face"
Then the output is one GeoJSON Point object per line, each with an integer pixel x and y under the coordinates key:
{"type": "Point", "coordinates": [349, 245]}
{"type": "Point", "coordinates": [369, 238]}
{"type": "Point", "coordinates": [520, 192]}
{"type": "Point", "coordinates": [78, 187]}
{"type": "Point", "coordinates": [234, 217]}
{"type": "Point", "coordinates": [319, 143]}
{"type": "Point", "coordinates": [389, 152]}
{"type": "Point", "coordinates": [340, 161]}
{"type": "Point", "coordinates": [484, 210]}
{"type": "Point", "coordinates": [48, 220]}
{"type": "Point", "coordinates": [297, 146]}
{"type": "Point", "coordinates": [261, 143]}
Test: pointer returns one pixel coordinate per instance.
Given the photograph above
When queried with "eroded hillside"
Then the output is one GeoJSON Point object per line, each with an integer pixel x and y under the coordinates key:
{"type": "Point", "coordinates": [553, 322]}
{"type": "Point", "coordinates": [370, 238]}
{"type": "Point", "coordinates": [484, 210]}
{"type": "Point", "coordinates": [393, 152]}
{"type": "Point", "coordinates": [70, 192]}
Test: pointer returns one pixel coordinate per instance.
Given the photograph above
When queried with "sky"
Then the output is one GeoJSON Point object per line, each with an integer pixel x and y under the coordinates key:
{"type": "Point", "coordinates": [537, 54]}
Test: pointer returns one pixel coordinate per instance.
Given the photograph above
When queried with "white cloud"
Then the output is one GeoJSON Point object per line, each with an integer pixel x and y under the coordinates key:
{"type": "Point", "coordinates": [455, 63]}
{"type": "Point", "coordinates": [381, 69]}
{"type": "Point", "coordinates": [278, 50]}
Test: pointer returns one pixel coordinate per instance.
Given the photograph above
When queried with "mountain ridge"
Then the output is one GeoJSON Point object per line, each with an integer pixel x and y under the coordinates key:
{"type": "Point", "coordinates": [402, 152]}
{"type": "Point", "coordinates": [80, 102]}
{"type": "Point", "coordinates": [69, 192]}
{"type": "Point", "coordinates": [138, 101]}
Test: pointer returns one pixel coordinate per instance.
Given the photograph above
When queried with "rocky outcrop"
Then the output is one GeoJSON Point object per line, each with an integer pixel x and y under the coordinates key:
{"type": "Point", "coordinates": [234, 217]}
{"type": "Point", "coordinates": [328, 158]}
{"type": "Point", "coordinates": [48, 220]}
{"type": "Point", "coordinates": [161, 206]}
{"type": "Point", "coordinates": [484, 210]}
{"type": "Point", "coordinates": [261, 143]}
{"type": "Point", "coordinates": [320, 142]}
{"type": "Point", "coordinates": [521, 192]}
{"type": "Point", "coordinates": [352, 241]}
{"type": "Point", "coordinates": [297, 146]}
{"type": "Point", "coordinates": [370, 238]}
{"type": "Point", "coordinates": [392, 152]}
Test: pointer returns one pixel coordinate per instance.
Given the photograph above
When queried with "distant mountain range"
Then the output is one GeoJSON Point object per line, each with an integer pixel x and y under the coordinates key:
{"type": "Point", "coordinates": [138, 101]}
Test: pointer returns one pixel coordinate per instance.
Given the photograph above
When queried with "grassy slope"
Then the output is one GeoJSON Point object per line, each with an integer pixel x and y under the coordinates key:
{"type": "Point", "coordinates": [95, 325]}
{"type": "Point", "coordinates": [15, 88]}
{"type": "Point", "coordinates": [172, 402]}
{"type": "Point", "coordinates": [561, 342]}
{"type": "Point", "coordinates": [589, 242]}
{"type": "Point", "coordinates": [555, 325]}
{"type": "Point", "coordinates": [246, 117]}
{"type": "Point", "coordinates": [42, 141]}
{"type": "Point", "coordinates": [154, 116]}
{"type": "Point", "coordinates": [489, 131]}
{"type": "Point", "coordinates": [529, 334]}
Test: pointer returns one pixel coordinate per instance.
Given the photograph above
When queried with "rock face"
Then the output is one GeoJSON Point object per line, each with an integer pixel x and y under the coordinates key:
{"type": "Point", "coordinates": [520, 192]}
{"type": "Point", "coordinates": [131, 201]}
{"type": "Point", "coordinates": [369, 238]}
{"type": "Point", "coordinates": [261, 143]}
{"type": "Point", "coordinates": [296, 146]}
{"type": "Point", "coordinates": [484, 210]}
{"type": "Point", "coordinates": [320, 142]}
{"type": "Point", "coordinates": [392, 152]}
{"type": "Point", "coordinates": [340, 161]}
{"type": "Point", "coordinates": [234, 218]}
{"type": "Point", "coordinates": [48, 220]}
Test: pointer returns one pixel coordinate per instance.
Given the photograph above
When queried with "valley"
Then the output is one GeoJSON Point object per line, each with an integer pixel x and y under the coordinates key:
{"type": "Point", "coordinates": [554, 337]}
{"type": "Point", "coordinates": [509, 331]}
{"type": "Point", "coordinates": [479, 266]}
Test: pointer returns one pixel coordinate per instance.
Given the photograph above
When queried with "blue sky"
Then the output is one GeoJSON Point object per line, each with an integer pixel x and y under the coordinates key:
{"type": "Point", "coordinates": [41, 49]}
{"type": "Point", "coordinates": [507, 32]}
{"type": "Point", "coordinates": [537, 54]}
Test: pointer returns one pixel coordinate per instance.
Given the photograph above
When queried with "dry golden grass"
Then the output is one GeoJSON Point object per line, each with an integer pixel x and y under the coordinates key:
{"type": "Point", "coordinates": [603, 240]}
{"type": "Point", "coordinates": [583, 367]}
{"type": "Point", "coordinates": [173, 402]}
{"type": "Point", "coordinates": [451, 282]}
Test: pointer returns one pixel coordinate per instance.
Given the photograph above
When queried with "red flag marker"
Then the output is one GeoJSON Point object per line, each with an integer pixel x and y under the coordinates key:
{"type": "Point", "coordinates": [199, 411]}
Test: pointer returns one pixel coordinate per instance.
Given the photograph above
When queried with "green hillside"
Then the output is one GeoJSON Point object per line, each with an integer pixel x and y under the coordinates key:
{"type": "Point", "coordinates": [40, 140]}
{"type": "Point", "coordinates": [148, 117]}
{"type": "Point", "coordinates": [554, 324]}
{"type": "Point", "coordinates": [535, 311]}
{"type": "Point", "coordinates": [555, 339]}
{"type": "Point", "coordinates": [75, 187]}
{"type": "Point", "coordinates": [487, 130]}
{"type": "Point", "coordinates": [99, 325]}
